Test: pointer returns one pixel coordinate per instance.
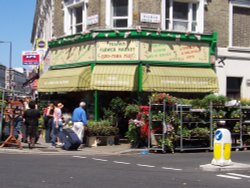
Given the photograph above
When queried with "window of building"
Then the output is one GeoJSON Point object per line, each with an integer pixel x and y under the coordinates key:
{"type": "Point", "coordinates": [184, 16]}
{"type": "Point", "coordinates": [234, 87]}
{"type": "Point", "coordinates": [119, 13]}
{"type": "Point", "coordinates": [239, 27]}
{"type": "Point", "coordinates": [75, 18]}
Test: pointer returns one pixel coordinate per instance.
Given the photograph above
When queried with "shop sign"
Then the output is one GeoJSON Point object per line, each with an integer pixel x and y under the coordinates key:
{"type": "Point", "coordinates": [73, 54]}
{"type": "Point", "coordinates": [150, 18]}
{"type": "Point", "coordinates": [91, 20]}
{"type": "Point", "coordinates": [41, 44]}
{"type": "Point", "coordinates": [117, 50]}
{"type": "Point", "coordinates": [30, 58]}
{"type": "Point", "coordinates": [174, 52]}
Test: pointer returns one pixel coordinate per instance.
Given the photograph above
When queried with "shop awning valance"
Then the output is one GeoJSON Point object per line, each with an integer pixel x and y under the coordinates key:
{"type": "Point", "coordinates": [114, 78]}
{"type": "Point", "coordinates": [179, 79]}
{"type": "Point", "coordinates": [62, 80]}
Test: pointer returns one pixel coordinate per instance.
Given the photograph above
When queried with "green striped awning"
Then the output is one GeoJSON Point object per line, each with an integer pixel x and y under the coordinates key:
{"type": "Point", "coordinates": [179, 79]}
{"type": "Point", "coordinates": [114, 78]}
{"type": "Point", "coordinates": [65, 80]}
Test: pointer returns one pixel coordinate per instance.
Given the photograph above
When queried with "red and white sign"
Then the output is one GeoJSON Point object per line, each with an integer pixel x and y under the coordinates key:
{"type": "Point", "coordinates": [31, 58]}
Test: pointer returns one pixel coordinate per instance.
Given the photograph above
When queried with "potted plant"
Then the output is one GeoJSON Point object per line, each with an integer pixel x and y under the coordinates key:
{"type": "Point", "coordinates": [101, 133]}
{"type": "Point", "coordinates": [134, 134]}
{"type": "Point", "coordinates": [200, 132]}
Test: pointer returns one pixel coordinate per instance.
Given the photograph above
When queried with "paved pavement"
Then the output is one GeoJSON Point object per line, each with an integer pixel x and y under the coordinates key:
{"type": "Point", "coordinates": [45, 148]}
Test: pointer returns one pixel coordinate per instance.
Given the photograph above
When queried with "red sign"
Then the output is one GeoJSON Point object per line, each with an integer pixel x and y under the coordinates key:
{"type": "Point", "coordinates": [30, 58]}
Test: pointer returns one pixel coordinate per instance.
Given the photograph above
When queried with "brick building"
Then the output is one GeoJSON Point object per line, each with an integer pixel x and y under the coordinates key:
{"type": "Point", "coordinates": [233, 48]}
{"type": "Point", "coordinates": [105, 48]}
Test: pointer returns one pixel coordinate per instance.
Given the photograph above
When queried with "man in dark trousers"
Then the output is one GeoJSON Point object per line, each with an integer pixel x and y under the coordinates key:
{"type": "Point", "coordinates": [31, 117]}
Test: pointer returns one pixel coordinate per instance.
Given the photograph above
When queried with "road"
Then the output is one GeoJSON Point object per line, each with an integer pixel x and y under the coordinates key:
{"type": "Point", "coordinates": [118, 171]}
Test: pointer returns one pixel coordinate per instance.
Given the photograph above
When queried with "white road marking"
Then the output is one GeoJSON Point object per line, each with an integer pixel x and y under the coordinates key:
{"type": "Point", "coordinates": [79, 157]}
{"type": "Point", "coordinates": [166, 168]}
{"type": "Point", "coordinates": [230, 177]}
{"type": "Point", "coordinates": [145, 165]}
{"type": "Point", "coordinates": [99, 159]}
{"type": "Point", "coordinates": [239, 175]}
{"type": "Point", "coordinates": [120, 162]}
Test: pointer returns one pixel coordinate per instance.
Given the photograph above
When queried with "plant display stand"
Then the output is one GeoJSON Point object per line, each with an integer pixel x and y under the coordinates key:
{"type": "Point", "coordinates": [228, 117]}
{"type": "Point", "coordinates": [158, 132]}
{"type": "Point", "coordinates": [245, 127]}
{"type": "Point", "coordinates": [194, 131]}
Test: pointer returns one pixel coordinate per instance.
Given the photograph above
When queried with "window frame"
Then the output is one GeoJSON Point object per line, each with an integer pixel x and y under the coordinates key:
{"type": "Point", "coordinates": [110, 17]}
{"type": "Point", "coordinates": [70, 17]}
{"type": "Point", "coordinates": [232, 4]}
{"type": "Point", "coordinates": [199, 15]}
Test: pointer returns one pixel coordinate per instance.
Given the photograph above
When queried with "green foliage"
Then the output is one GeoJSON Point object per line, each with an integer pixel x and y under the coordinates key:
{"type": "Point", "coordinates": [218, 100]}
{"type": "Point", "coordinates": [132, 133]}
{"type": "Point", "coordinates": [101, 128]}
{"type": "Point", "coordinates": [168, 143]}
{"type": "Point", "coordinates": [199, 131]}
{"type": "Point", "coordinates": [117, 105]}
{"type": "Point", "coordinates": [131, 110]}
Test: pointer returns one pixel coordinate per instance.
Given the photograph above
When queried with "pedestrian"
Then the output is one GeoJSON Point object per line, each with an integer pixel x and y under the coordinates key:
{"type": "Point", "coordinates": [31, 117]}
{"type": "Point", "coordinates": [48, 115]}
{"type": "Point", "coordinates": [24, 129]}
{"type": "Point", "coordinates": [57, 125]}
{"type": "Point", "coordinates": [79, 120]}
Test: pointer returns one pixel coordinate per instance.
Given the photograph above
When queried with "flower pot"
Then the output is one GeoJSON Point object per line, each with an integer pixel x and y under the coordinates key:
{"type": "Point", "coordinates": [92, 141]}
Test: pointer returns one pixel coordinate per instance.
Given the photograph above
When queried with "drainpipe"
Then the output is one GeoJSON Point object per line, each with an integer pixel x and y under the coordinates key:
{"type": "Point", "coordinates": [139, 90]}
{"type": "Point", "coordinates": [96, 98]}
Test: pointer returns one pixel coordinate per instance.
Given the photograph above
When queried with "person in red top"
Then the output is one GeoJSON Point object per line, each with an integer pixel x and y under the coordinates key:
{"type": "Point", "coordinates": [48, 121]}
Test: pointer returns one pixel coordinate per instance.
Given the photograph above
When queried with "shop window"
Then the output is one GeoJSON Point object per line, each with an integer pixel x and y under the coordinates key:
{"type": "Point", "coordinates": [119, 13]}
{"type": "Point", "coordinates": [239, 24]}
{"type": "Point", "coordinates": [184, 16]}
{"type": "Point", "coordinates": [234, 87]}
{"type": "Point", "coordinates": [75, 18]}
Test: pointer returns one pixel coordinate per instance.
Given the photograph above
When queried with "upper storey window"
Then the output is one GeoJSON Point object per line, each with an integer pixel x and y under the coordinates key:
{"type": "Point", "coordinates": [119, 13]}
{"type": "Point", "coordinates": [183, 15]}
{"type": "Point", "coordinates": [239, 16]}
{"type": "Point", "coordinates": [75, 17]}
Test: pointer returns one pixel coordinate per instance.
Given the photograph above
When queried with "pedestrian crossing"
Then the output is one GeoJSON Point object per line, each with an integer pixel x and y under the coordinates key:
{"type": "Point", "coordinates": [234, 176]}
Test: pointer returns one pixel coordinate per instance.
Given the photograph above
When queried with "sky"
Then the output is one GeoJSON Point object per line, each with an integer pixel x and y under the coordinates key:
{"type": "Point", "coordinates": [16, 20]}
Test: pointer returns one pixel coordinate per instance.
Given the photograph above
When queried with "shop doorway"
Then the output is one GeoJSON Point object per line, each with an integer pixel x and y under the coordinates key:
{"type": "Point", "coordinates": [234, 87]}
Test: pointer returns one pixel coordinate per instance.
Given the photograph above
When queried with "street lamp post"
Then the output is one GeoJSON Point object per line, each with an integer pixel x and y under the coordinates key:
{"type": "Point", "coordinates": [10, 62]}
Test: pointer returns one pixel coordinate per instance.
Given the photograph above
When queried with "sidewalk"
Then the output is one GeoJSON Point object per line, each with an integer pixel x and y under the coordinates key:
{"type": "Point", "coordinates": [45, 148]}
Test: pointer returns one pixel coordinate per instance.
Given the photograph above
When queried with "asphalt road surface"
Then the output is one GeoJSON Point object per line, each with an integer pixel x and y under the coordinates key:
{"type": "Point", "coordinates": [119, 171]}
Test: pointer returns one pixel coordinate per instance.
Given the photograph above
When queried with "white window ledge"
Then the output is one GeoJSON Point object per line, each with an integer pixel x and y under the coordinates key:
{"type": "Point", "coordinates": [239, 49]}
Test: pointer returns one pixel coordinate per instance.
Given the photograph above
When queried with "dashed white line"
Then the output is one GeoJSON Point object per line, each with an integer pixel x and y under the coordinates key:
{"type": "Point", "coordinates": [230, 177]}
{"type": "Point", "coordinates": [145, 165]}
{"type": "Point", "coordinates": [239, 175]}
{"type": "Point", "coordinates": [120, 162]}
{"type": "Point", "coordinates": [81, 157]}
{"type": "Point", "coordinates": [99, 159]}
{"type": "Point", "coordinates": [166, 168]}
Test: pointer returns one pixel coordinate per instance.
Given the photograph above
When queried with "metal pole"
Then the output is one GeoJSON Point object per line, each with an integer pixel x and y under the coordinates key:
{"type": "Point", "coordinates": [10, 70]}
{"type": "Point", "coordinates": [1, 117]}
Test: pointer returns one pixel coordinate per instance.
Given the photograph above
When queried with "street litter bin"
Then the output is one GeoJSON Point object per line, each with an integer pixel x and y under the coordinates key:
{"type": "Point", "coordinates": [222, 147]}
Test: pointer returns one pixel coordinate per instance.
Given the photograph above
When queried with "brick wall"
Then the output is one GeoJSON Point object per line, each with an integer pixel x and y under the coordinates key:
{"type": "Point", "coordinates": [216, 18]}
{"type": "Point", "coordinates": [58, 19]}
{"type": "Point", "coordinates": [241, 27]}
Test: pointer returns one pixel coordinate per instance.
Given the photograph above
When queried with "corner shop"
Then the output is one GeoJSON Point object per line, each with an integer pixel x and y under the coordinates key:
{"type": "Point", "coordinates": [130, 61]}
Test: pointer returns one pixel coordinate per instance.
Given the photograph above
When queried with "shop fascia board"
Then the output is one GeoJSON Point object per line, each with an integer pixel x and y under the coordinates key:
{"type": "Point", "coordinates": [177, 64]}
{"type": "Point", "coordinates": [211, 39]}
